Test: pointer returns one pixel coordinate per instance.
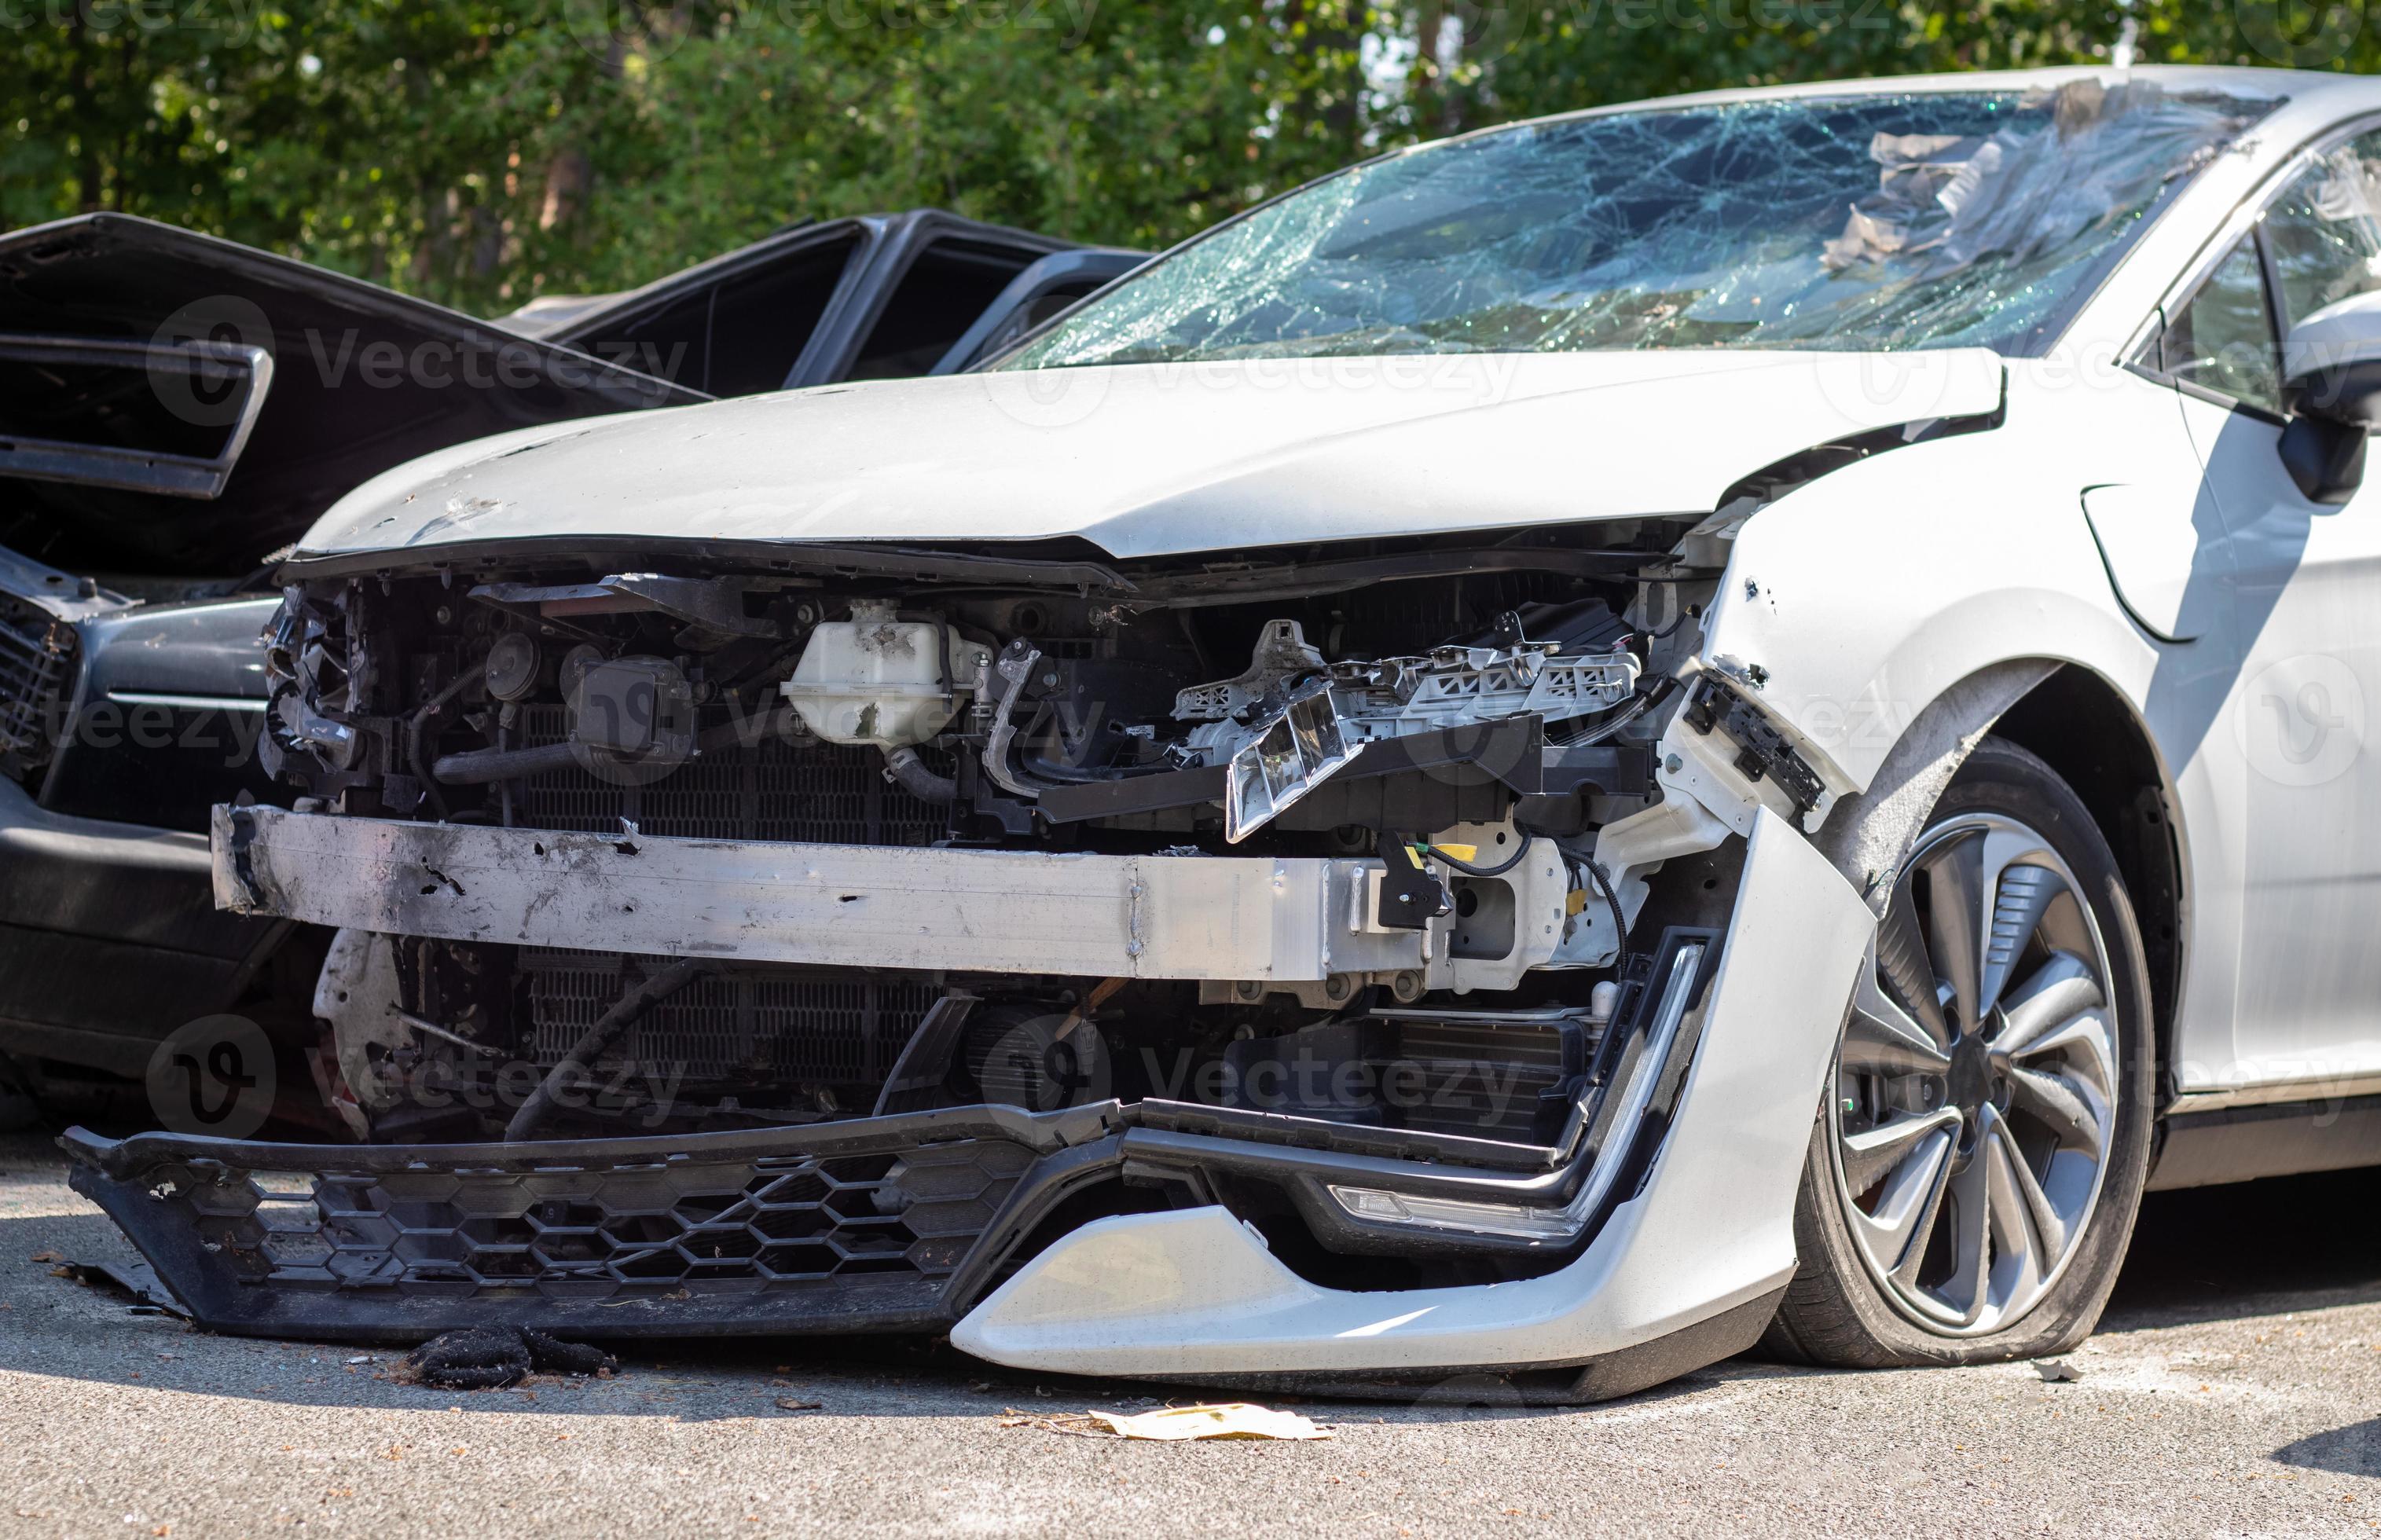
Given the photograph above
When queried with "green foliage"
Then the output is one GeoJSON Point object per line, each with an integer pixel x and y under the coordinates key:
{"type": "Point", "coordinates": [481, 152]}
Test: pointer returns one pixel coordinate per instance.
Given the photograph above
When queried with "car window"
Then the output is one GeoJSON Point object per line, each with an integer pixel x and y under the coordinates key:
{"type": "Point", "coordinates": [948, 285]}
{"type": "Point", "coordinates": [2324, 230]}
{"type": "Point", "coordinates": [739, 335]}
{"type": "Point", "coordinates": [2222, 337]}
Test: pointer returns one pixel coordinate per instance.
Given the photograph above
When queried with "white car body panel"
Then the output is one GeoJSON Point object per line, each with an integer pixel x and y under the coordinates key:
{"type": "Point", "coordinates": [1148, 460]}
{"type": "Point", "coordinates": [1196, 1291]}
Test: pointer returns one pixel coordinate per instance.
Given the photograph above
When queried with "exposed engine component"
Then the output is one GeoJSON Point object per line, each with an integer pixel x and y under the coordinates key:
{"type": "Point", "coordinates": [881, 680]}
{"type": "Point", "coordinates": [1307, 719]}
{"type": "Point", "coordinates": [1374, 839]}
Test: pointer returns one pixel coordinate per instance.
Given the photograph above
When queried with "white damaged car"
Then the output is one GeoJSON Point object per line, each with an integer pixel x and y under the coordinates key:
{"type": "Point", "coordinates": [1723, 720]}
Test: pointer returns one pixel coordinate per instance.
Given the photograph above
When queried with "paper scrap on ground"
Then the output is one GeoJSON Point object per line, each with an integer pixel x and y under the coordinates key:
{"type": "Point", "coordinates": [1231, 1420]}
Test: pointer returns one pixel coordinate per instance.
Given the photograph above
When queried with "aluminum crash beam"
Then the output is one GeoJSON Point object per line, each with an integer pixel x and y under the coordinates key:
{"type": "Point", "coordinates": [1002, 911]}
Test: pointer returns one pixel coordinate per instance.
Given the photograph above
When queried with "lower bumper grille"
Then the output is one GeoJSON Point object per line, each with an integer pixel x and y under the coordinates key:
{"type": "Point", "coordinates": [857, 1227]}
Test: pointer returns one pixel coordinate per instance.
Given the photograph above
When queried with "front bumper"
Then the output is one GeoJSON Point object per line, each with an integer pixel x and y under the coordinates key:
{"type": "Point", "coordinates": [921, 1221]}
{"type": "Point", "coordinates": [1688, 1264]}
{"type": "Point", "coordinates": [882, 1224]}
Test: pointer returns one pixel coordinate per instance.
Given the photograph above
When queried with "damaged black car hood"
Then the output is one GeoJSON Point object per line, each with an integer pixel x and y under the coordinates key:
{"type": "Point", "coordinates": [177, 403]}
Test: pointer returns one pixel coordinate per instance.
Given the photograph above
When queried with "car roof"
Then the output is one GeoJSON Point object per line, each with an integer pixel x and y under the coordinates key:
{"type": "Point", "coordinates": [2304, 87]}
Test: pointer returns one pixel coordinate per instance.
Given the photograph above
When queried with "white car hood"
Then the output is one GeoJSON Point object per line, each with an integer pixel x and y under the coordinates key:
{"type": "Point", "coordinates": [1156, 459]}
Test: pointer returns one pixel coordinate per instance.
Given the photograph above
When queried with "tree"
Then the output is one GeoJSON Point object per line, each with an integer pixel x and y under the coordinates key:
{"type": "Point", "coordinates": [481, 152]}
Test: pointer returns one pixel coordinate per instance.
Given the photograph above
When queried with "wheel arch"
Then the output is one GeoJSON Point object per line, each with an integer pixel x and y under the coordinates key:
{"type": "Point", "coordinates": [2084, 729]}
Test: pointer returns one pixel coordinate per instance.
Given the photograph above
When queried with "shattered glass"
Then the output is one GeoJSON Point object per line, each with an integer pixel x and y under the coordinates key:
{"type": "Point", "coordinates": [1876, 221]}
{"type": "Point", "coordinates": [2325, 232]}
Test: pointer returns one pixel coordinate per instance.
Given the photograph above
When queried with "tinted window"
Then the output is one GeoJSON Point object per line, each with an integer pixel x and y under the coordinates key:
{"type": "Point", "coordinates": [737, 336]}
{"type": "Point", "coordinates": [947, 285]}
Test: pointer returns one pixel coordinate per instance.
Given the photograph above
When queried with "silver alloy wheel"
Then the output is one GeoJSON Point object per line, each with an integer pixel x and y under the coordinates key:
{"type": "Point", "coordinates": [1975, 1088]}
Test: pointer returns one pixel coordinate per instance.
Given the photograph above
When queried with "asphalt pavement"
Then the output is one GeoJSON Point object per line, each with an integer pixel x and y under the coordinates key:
{"type": "Point", "coordinates": [2234, 1388]}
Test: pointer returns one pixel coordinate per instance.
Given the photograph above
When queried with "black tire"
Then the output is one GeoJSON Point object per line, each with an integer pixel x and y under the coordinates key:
{"type": "Point", "coordinates": [1835, 1312]}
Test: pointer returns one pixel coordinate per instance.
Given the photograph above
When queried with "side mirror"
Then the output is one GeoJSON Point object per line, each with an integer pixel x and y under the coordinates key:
{"type": "Point", "coordinates": [2331, 380]}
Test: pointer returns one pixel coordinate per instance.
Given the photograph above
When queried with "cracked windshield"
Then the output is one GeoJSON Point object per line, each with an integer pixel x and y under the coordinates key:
{"type": "Point", "coordinates": [1934, 220]}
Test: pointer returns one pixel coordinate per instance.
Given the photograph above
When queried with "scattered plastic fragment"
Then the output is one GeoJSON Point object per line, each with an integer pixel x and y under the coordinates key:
{"type": "Point", "coordinates": [2053, 1370]}
{"type": "Point", "coordinates": [136, 1280]}
{"type": "Point", "coordinates": [787, 1403]}
{"type": "Point", "coordinates": [493, 1358]}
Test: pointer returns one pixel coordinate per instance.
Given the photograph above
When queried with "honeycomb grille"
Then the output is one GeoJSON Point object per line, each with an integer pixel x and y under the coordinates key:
{"type": "Point", "coordinates": [825, 794]}
{"type": "Point", "coordinates": [35, 654]}
{"type": "Point", "coordinates": [772, 1026]}
{"type": "Point", "coordinates": [794, 1225]}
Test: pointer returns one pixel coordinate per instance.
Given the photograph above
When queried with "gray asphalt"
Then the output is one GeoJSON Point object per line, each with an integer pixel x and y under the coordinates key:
{"type": "Point", "coordinates": [2234, 1388]}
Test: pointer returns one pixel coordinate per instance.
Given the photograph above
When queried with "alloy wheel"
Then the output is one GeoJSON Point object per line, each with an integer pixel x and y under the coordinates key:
{"type": "Point", "coordinates": [1974, 1093]}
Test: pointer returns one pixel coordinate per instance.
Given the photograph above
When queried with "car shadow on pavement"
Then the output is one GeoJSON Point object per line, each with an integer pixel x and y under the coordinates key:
{"type": "Point", "coordinates": [2257, 1248]}
{"type": "Point", "coordinates": [2214, 1253]}
{"type": "Point", "coordinates": [2354, 1451]}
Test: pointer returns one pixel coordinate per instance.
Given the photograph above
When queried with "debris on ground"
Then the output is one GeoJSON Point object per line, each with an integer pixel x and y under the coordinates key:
{"type": "Point", "coordinates": [2053, 1370]}
{"type": "Point", "coordinates": [787, 1403]}
{"type": "Point", "coordinates": [137, 1281]}
{"type": "Point", "coordinates": [496, 1358]}
{"type": "Point", "coordinates": [1174, 1424]}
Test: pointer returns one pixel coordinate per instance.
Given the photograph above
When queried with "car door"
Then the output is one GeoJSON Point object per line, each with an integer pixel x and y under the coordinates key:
{"type": "Point", "coordinates": [2305, 600]}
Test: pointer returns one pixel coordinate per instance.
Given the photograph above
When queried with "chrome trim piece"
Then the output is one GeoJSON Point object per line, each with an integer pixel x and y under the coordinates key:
{"type": "Point", "coordinates": [186, 702]}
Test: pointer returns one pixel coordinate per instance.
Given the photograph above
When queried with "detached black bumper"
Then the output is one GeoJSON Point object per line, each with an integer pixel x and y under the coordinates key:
{"type": "Point", "coordinates": [885, 1224]}
{"type": "Point", "coordinates": [899, 1223]}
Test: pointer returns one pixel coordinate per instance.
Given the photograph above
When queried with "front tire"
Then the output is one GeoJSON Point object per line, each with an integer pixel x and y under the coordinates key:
{"type": "Point", "coordinates": [1975, 1168]}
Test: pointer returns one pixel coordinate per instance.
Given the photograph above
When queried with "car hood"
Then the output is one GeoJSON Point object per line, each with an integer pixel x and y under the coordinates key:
{"type": "Point", "coordinates": [1156, 459]}
{"type": "Point", "coordinates": [114, 462]}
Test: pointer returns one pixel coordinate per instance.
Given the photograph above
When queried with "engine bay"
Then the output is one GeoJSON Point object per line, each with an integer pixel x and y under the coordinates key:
{"type": "Point", "coordinates": [1438, 729]}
